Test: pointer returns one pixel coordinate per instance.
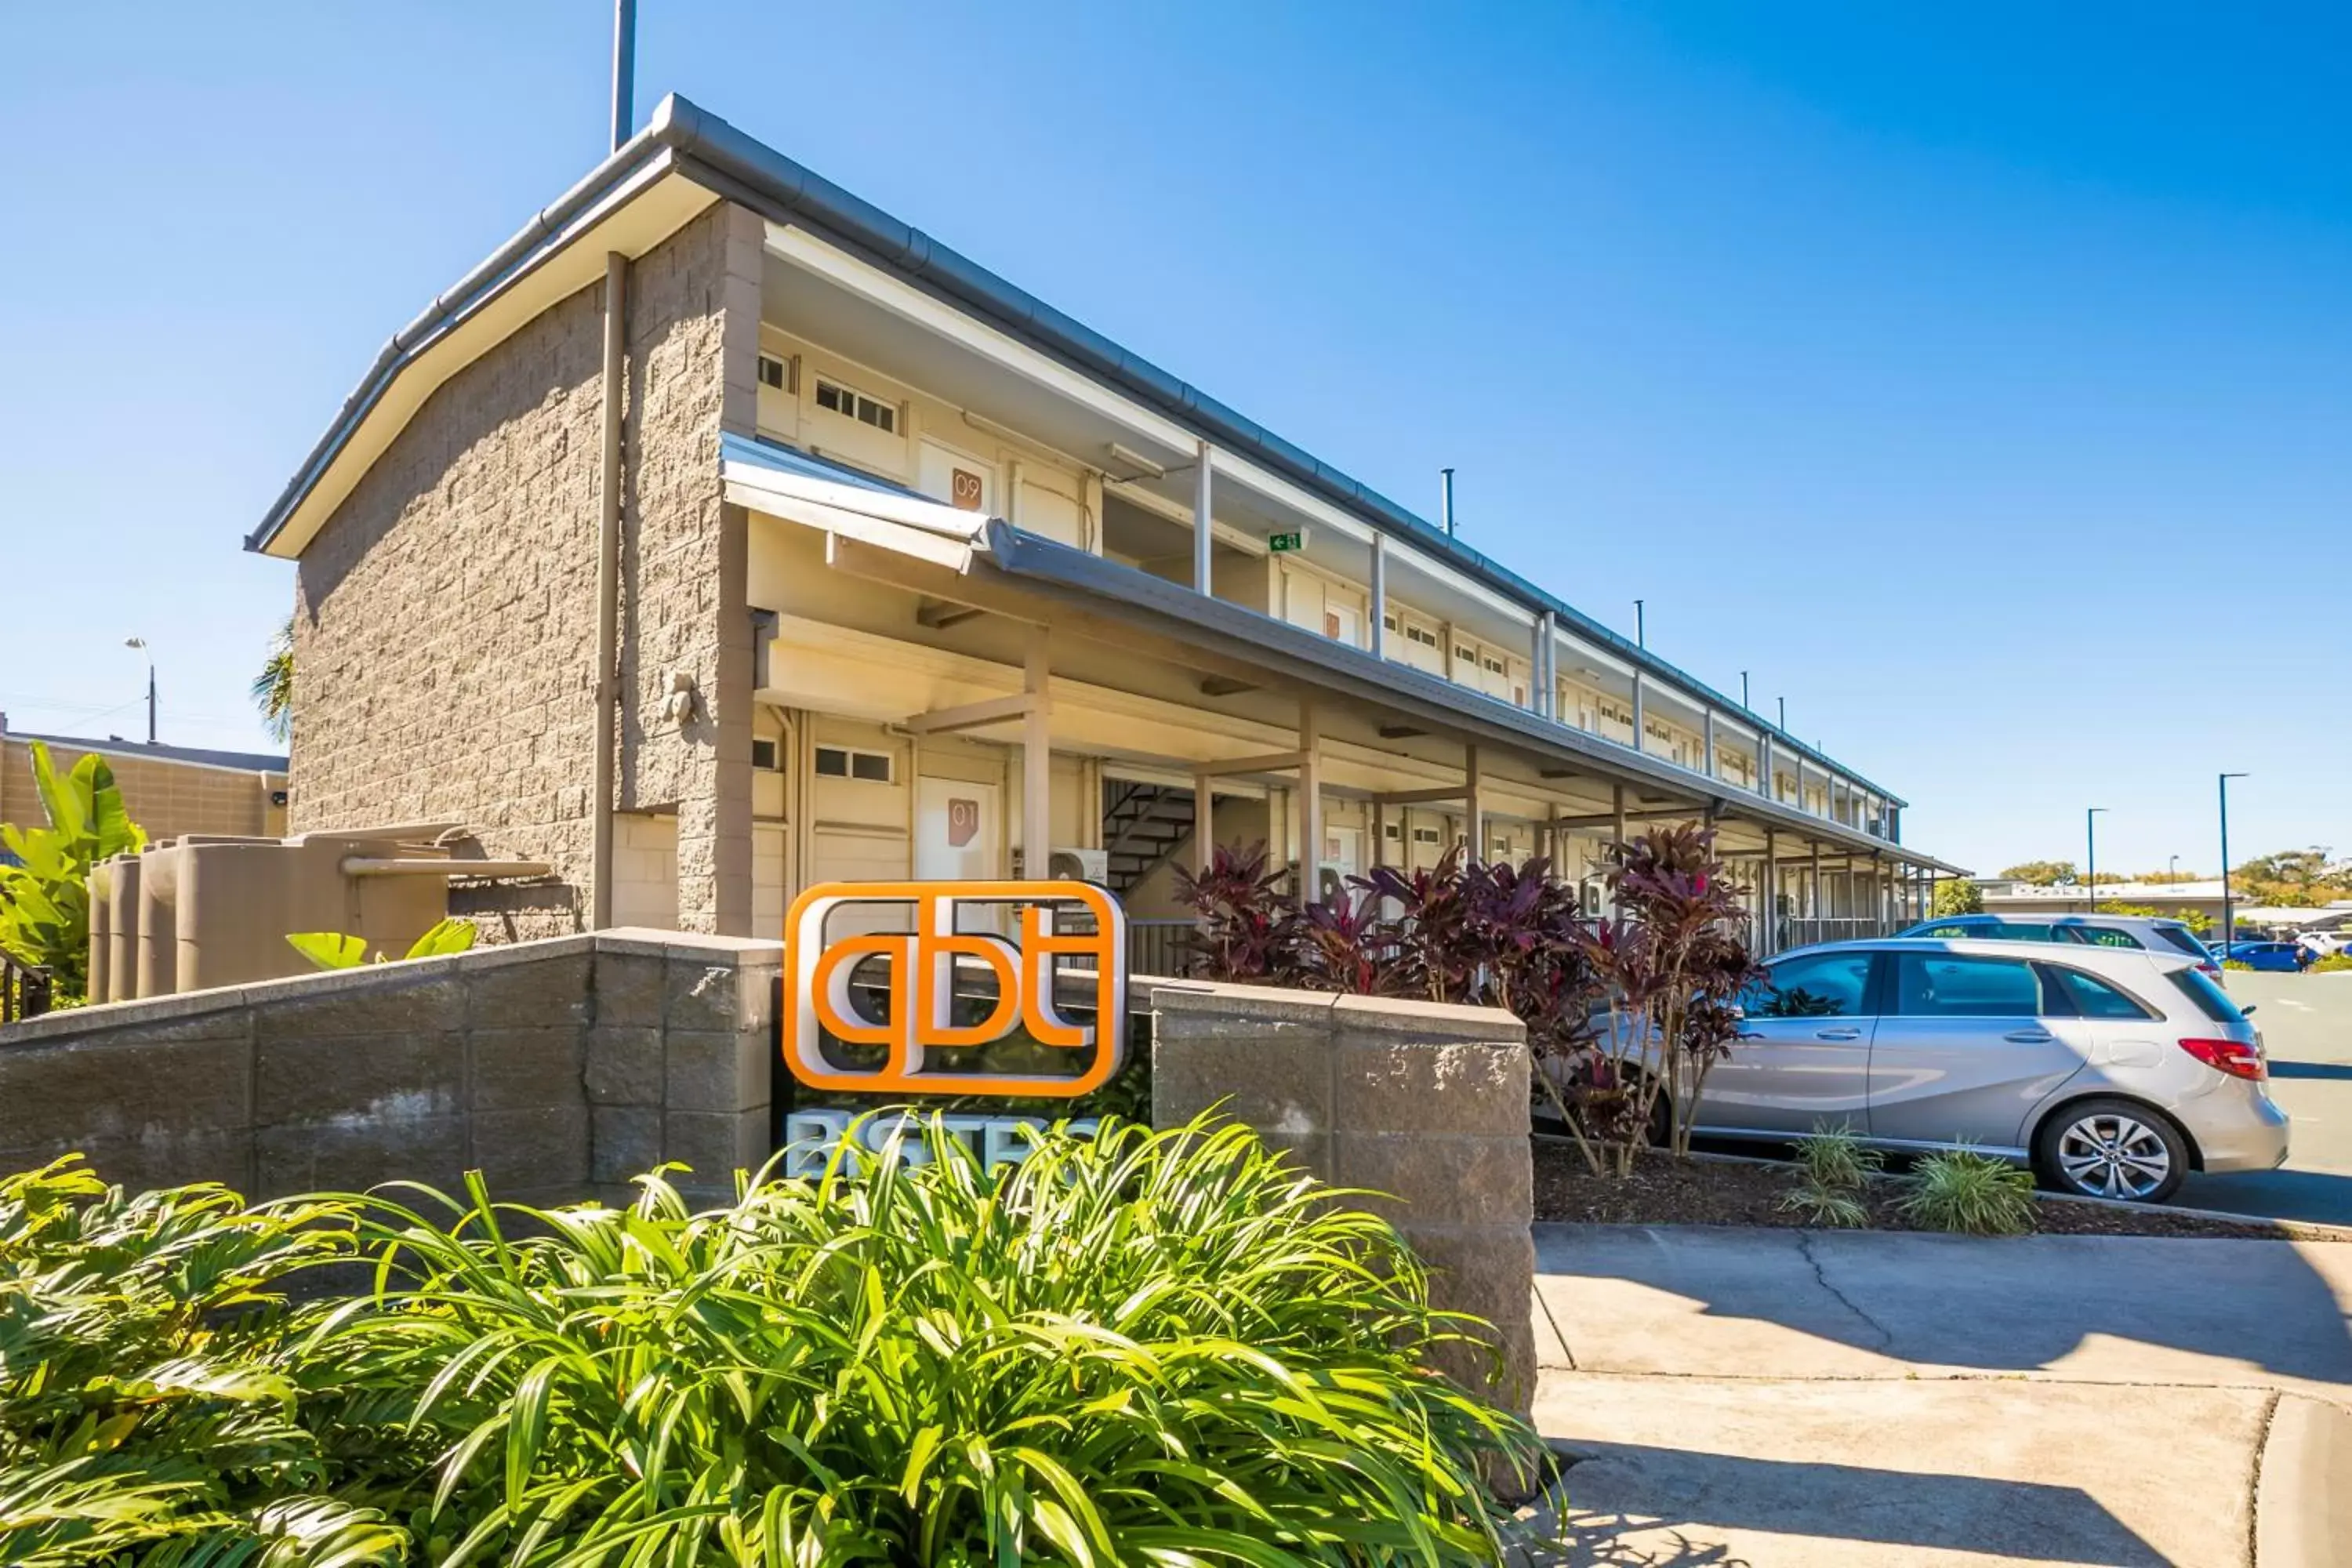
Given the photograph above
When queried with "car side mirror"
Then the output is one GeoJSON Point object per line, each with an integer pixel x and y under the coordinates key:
{"type": "Point", "coordinates": [2248, 1010]}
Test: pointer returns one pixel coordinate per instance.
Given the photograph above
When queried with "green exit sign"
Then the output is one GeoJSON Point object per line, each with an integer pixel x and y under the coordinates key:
{"type": "Point", "coordinates": [1279, 542]}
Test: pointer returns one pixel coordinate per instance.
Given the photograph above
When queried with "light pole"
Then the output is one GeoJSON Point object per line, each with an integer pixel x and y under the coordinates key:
{"type": "Point", "coordinates": [2091, 852]}
{"type": "Point", "coordinates": [2172, 870]}
{"type": "Point", "coordinates": [2229, 925]}
{"type": "Point", "coordinates": [140, 644]}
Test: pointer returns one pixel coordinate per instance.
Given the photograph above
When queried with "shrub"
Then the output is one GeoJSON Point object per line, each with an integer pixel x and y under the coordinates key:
{"type": "Point", "coordinates": [335, 950]}
{"type": "Point", "coordinates": [1835, 1158]}
{"type": "Point", "coordinates": [45, 897]}
{"type": "Point", "coordinates": [1819, 1205]}
{"type": "Point", "coordinates": [145, 1405]}
{"type": "Point", "coordinates": [1957, 896]}
{"type": "Point", "coordinates": [1667, 967]}
{"type": "Point", "coordinates": [2333, 963]}
{"type": "Point", "coordinates": [1975, 1194]}
{"type": "Point", "coordinates": [1144, 1347]}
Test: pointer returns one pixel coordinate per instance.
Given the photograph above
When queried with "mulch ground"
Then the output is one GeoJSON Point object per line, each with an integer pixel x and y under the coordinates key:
{"type": "Point", "coordinates": [1701, 1191]}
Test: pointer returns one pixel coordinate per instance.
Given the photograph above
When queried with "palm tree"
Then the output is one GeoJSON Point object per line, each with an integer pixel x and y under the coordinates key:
{"type": "Point", "coordinates": [273, 688]}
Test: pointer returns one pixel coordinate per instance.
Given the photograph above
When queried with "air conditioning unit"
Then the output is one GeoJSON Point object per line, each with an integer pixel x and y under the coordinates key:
{"type": "Point", "coordinates": [1080, 865]}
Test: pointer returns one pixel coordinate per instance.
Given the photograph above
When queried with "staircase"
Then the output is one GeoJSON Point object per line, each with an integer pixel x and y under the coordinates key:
{"type": "Point", "coordinates": [1143, 824]}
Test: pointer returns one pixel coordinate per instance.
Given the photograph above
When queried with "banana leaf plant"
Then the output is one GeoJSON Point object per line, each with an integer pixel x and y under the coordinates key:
{"type": "Point", "coordinates": [44, 894]}
{"type": "Point", "coordinates": [333, 950]}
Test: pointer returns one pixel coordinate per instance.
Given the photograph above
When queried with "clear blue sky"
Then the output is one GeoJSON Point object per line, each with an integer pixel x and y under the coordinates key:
{"type": "Point", "coordinates": [1974, 376]}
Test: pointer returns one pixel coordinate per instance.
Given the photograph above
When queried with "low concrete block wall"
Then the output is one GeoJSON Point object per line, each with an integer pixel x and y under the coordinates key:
{"type": "Point", "coordinates": [1423, 1102]}
{"type": "Point", "coordinates": [555, 1067]}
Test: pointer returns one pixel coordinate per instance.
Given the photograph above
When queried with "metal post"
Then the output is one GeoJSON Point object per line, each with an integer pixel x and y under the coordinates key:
{"type": "Point", "coordinates": [1814, 893]}
{"type": "Point", "coordinates": [1202, 537]}
{"type": "Point", "coordinates": [1641, 623]}
{"type": "Point", "coordinates": [1446, 500]}
{"type": "Point", "coordinates": [1710, 743]}
{"type": "Point", "coordinates": [1539, 681]}
{"type": "Point", "coordinates": [151, 701]}
{"type": "Point", "coordinates": [1641, 721]}
{"type": "Point", "coordinates": [624, 69]}
{"type": "Point", "coordinates": [1766, 785]}
{"type": "Point", "coordinates": [2229, 917]}
{"type": "Point", "coordinates": [1617, 808]}
{"type": "Point", "coordinates": [1203, 829]}
{"type": "Point", "coordinates": [1379, 596]}
{"type": "Point", "coordinates": [2091, 855]}
{"type": "Point", "coordinates": [1037, 761]}
{"type": "Point", "coordinates": [1771, 893]}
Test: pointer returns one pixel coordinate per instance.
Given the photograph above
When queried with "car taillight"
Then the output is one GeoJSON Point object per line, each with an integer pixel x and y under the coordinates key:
{"type": "Point", "coordinates": [2212, 969]}
{"type": "Point", "coordinates": [2236, 1057]}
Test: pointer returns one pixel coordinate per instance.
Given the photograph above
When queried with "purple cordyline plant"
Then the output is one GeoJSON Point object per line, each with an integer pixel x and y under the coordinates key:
{"type": "Point", "coordinates": [1666, 966]}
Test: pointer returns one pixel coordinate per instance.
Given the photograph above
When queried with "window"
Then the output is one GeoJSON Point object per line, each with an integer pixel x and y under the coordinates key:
{"type": "Point", "coordinates": [2209, 998]}
{"type": "Point", "coordinates": [842, 763]}
{"type": "Point", "coordinates": [856, 406]}
{"type": "Point", "coordinates": [1421, 635]}
{"type": "Point", "coordinates": [1392, 830]}
{"type": "Point", "coordinates": [1947, 931]}
{"type": "Point", "coordinates": [764, 753]}
{"type": "Point", "coordinates": [2094, 998]}
{"type": "Point", "coordinates": [2017, 931]}
{"type": "Point", "coordinates": [1949, 986]}
{"type": "Point", "coordinates": [1389, 622]}
{"type": "Point", "coordinates": [773, 372]}
{"type": "Point", "coordinates": [1424, 835]}
{"type": "Point", "coordinates": [2182, 939]}
{"type": "Point", "coordinates": [1468, 656]}
{"type": "Point", "coordinates": [2101, 936]}
{"type": "Point", "coordinates": [1820, 985]}
{"type": "Point", "coordinates": [1494, 665]}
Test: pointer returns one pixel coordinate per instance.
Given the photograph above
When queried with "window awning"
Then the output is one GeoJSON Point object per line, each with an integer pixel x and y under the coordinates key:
{"type": "Point", "coordinates": [809, 490]}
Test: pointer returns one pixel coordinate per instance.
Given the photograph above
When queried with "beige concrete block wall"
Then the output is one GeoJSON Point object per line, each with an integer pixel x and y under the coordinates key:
{"type": "Point", "coordinates": [557, 1068]}
{"type": "Point", "coordinates": [1425, 1102]}
{"type": "Point", "coordinates": [444, 632]}
{"type": "Point", "coordinates": [166, 798]}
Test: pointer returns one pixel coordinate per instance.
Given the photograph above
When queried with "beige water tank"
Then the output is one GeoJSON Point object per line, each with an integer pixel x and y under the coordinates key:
{"type": "Point", "coordinates": [201, 912]}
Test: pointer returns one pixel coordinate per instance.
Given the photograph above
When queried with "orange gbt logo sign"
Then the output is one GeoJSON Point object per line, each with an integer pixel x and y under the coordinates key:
{"type": "Point", "coordinates": [924, 973]}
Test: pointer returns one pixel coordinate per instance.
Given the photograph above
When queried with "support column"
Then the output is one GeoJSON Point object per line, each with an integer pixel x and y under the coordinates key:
{"type": "Point", "coordinates": [1813, 893]}
{"type": "Point", "coordinates": [1473, 810]}
{"type": "Point", "coordinates": [1769, 941]}
{"type": "Point", "coordinates": [1541, 685]}
{"type": "Point", "coordinates": [1379, 596]}
{"type": "Point", "coordinates": [1640, 717]}
{"type": "Point", "coordinates": [1710, 743]}
{"type": "Point", "coordinates": [1766, 785]}
{"type": "Point", "coordinates": [1310, 803]}
{"type": "Point", "coordinates": [1036, 762]}
{"type": "Point", "coordinates": [1203, 829]}
{"type": "Point", "coordinates": [1203, 534]}
{"type": "Point", "coordinates": [1617, 813]}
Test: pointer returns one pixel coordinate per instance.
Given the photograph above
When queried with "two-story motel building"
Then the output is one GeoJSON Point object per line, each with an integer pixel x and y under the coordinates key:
{"type": "Point", "coordinates": [722, 535]}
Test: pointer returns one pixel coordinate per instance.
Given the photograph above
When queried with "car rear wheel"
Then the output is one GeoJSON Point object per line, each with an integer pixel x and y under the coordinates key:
{"type": "Point", "coordinates": [2111, 1149]}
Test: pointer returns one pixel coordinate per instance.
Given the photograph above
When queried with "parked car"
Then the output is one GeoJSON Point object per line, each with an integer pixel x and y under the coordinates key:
{"type": "Point", "coordinates": [2327, 944]}
{"type": "Point", "coordinates": [2098, 931]}
{"type": "Point", "coordinates": [2112, 1072]}
{"type": "Point", "coordinates": [2276, 956]}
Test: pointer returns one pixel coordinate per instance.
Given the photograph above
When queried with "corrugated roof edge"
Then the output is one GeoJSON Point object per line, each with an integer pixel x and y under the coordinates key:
{"type": "Point", "coordinates": [691, 132]}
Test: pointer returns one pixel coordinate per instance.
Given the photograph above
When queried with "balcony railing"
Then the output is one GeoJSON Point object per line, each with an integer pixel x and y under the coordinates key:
{"type": "Point", "coordinates": [1157, 947]}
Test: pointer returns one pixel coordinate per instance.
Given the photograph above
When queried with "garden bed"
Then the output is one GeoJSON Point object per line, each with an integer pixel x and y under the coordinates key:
{"type": "Point", "coordinates": [1716, 1190]}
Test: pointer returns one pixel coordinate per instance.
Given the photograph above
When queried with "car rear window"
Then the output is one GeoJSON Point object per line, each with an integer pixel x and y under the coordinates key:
{"type": "Point", "coordinates": [2209, 998]}
{"type": "Point", "coordinates": [2102, 936]}
{"type": "Point", "coordinates": [2184, 938]}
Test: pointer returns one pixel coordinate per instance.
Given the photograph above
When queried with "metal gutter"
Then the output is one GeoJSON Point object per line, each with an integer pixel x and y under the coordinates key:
{"type": "Point", "coordinates": [738, 166]}
{"type": "Point", "coordinates": [1038, 562]}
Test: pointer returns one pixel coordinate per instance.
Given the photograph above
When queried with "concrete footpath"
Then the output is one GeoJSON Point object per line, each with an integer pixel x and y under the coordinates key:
{"type": "Point", "coordinates": [1787, 1399]}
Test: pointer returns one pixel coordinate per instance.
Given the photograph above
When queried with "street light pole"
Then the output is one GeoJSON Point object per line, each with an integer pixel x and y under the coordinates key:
{"type": "Point", "coordinates": [140, 644]}
{"type": "Point", "coordinates": [2229, 924]}
{"type": "Point", "coordinates": [2091, 852]}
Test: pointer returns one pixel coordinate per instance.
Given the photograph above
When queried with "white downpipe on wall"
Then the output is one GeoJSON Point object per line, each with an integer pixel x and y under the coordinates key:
{"type": "Point", "coordinates": [608, 591]}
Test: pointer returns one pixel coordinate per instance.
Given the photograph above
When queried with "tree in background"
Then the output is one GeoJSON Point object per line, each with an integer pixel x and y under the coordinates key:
{"type": "Point", "coordinates": [2197, 920]}
{"type": "Point", "coordinates": [2294, 879]}
{"type": "Point", "coordinates": [2044, 873]}
{"type": "Point", "coordinates": [273, 688]}
{"type": "Point", "coordinates": [1959, 896]}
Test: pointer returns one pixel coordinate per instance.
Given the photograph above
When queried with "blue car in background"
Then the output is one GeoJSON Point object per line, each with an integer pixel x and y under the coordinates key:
{"type": "Point", "coordinates": [2278, 956]}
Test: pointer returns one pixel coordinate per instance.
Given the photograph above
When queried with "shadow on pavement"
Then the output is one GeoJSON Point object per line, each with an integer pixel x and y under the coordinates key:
{"type": "Point", "coordinates": [2340, 1072]}
{"type": "Point", "coordinates": [2021, 1304]}
{"type": "Point", "coordinates": [1685, 1495]}
{"type": "Point", "coordinates": [2322, 1197]}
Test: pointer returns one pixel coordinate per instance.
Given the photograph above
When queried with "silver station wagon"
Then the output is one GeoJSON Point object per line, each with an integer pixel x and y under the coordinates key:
{"type": "Point", "coordinates": [2112, 1071]}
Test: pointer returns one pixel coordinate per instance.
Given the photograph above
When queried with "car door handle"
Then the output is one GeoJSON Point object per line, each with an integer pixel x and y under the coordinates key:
{"type": "Point", "coordinates": [1837, 1034]}
{"type": "Point", "coordinates": [2029, 1036]}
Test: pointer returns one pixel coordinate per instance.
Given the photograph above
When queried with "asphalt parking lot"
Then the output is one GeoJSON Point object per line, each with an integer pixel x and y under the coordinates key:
{"type": "Point", "coordinates": [2307, 1024]}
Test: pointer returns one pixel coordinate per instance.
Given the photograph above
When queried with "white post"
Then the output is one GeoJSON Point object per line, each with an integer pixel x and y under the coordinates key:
{"type": "Point", "coordinates": [1766, 785]}
{"type": "Point", "coordinates": [1203, 540]}
{"type": "Point", "coordinates": [1710, 743]}
{"type": "Point", "coordinates": [1541, 681]}
{"type": "Point", "coordinates": [1641, 719]}
{"type": "Point", "coordinates": [1310, 803]}
{"type": "Point", "coordinates": [1379, 596]}
{"type": "Point", "coordinates": [1036, 763]}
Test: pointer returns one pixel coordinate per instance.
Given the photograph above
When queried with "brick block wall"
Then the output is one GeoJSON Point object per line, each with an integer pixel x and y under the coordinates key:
{"type": "Point", "coordinates": [557, 1068]}
{"type": "Point", "coordinates": [167, 798]}
{"type": "Point", "coordinates": [445, 632]}
{"type": "Point", "coordinates": [1425, 1102]}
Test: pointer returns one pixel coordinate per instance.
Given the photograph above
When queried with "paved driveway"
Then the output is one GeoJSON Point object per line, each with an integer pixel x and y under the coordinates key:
{"type": "Point", "coordinates": [2306, 1023]}
{"type": "Point", "coordinates": [1786, 1399]}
